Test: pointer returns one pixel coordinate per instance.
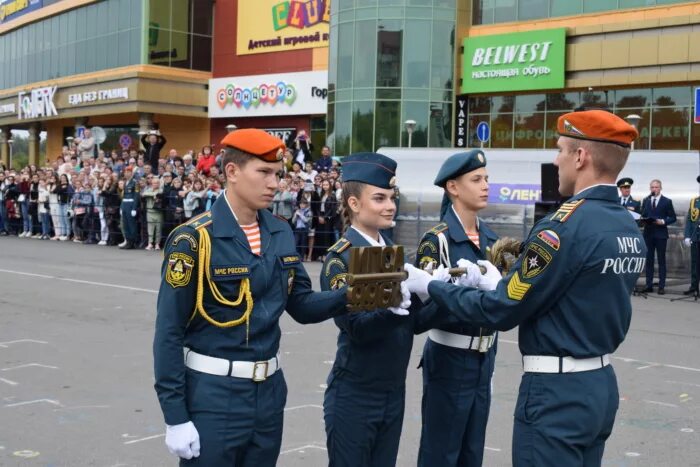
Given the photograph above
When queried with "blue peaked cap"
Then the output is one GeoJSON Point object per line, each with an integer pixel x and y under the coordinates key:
{"type": "Point", "coordinates": [371, 168]}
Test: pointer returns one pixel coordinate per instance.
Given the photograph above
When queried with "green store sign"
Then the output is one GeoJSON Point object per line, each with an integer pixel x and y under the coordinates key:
{"type": "Point", "coordinates": [521, 61]}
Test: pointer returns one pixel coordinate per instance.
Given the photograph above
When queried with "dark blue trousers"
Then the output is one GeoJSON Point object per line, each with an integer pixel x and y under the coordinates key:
{"type": "Point", "coordinates": [363, 424]}
{"type": "Point", "coordinates": [658, 245]}
{"type": "Point", "coordinates": [129, 222]}
{"type": "Point", "coordinates": [455, 406]}
{"type": "Point", "coordinates": [239, 421]}
{"type": "Point", "coordinates": [564, 419]}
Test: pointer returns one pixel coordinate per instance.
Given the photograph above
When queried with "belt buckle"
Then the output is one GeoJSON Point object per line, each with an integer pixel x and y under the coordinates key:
{"type": "Point", "coordinates": [264, 366]}
{"type": "Point", "coordinates": [481, 347]}
{"type": "Point", "coordinates": [484, 340]}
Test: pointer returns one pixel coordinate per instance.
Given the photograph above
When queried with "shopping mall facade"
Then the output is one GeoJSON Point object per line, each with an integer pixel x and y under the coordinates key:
{"type": "Point", "coordinates": [349, 73]}
{"type": "Point", "coordinates": [124, 65]}
{"type": "Point", "coordinates": [517, 65]}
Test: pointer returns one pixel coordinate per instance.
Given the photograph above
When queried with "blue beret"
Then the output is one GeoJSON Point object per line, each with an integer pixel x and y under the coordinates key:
{"type": "Point", "coordinates": [459, 164]}
{"type": "Point", "coordinates": [371, 168]}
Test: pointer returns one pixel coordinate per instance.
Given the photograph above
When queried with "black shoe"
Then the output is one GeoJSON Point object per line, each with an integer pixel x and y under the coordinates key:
{"type": "Point", "coordinates": [661, 291]}
{"type": "Point", "coordinates": [128, 246]}
{"type": "Point", "coordinates": [690, 291]}
{"type": "Point", "coordinates": [648, 290]}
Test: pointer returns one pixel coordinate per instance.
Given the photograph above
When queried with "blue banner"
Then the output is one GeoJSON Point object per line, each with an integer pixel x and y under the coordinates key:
{"type": "Point", "coordinates": [11, 9]}
{"type": "Point", "coordinates": [514, 193]}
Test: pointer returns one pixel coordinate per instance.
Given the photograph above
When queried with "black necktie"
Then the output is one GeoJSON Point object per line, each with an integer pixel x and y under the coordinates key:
{"type": "Point", "coordinates": [653, 203]}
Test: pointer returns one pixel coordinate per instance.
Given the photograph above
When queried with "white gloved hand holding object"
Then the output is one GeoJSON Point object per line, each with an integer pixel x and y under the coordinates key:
{"type": "Point", "coordinates": [133, 213]}
{"type": "Point", "coordinates": [490, 280]}
{"type": "Point", "coordinates": [686, 241]}
{"type": "Point", "coordinates": [473, 275]}
{"type": "Point", "coordinates": [402, 309]}
{"type": "Point", "coordinates": [442, 274]}
{"type": "Point", "coordinates": [418, 279]}
{"type": "Point", "coordinates": [182, 440]}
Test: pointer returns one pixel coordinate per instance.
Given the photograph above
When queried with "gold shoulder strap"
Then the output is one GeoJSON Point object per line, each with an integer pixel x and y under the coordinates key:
{"type": "Point", "coordinates": [244, 292]}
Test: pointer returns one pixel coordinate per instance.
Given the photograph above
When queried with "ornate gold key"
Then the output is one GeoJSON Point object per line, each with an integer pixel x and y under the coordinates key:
{"type": "Point", "coordinates": [374, 277]}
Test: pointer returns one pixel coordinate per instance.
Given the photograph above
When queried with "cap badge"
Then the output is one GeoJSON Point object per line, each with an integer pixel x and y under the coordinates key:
{"type": "Point", "coordinates": [392, 182]}
{"type": "Point", "coordinates": [481, 158]}
{"type": "Point", "coordinates": [280, 153]}
{"type": "Point", "coordinates": [569, 128]}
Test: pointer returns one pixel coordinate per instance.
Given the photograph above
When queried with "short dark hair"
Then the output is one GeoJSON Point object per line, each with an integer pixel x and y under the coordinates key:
{"type": "Point", "coordinates": [236, 156]}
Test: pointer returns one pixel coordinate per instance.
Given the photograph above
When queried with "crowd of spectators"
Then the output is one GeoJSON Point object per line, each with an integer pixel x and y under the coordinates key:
{"type": "Point", "coordinates": [80, 197]}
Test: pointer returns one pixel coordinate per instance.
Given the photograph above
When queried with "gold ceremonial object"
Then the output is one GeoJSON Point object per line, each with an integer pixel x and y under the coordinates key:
{"type": "Point", "coordinates": [504, 253]}
{"type": "Point", "coordinates": [374, 277]}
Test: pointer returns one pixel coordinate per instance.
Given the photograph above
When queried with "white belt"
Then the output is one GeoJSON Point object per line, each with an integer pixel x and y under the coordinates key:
{"type": "Point", "coordinates": [257, 371]}
{"type": "Point", "coordinates": [479, 343]}
{"type": "Point", "coordinates": [549, 364]}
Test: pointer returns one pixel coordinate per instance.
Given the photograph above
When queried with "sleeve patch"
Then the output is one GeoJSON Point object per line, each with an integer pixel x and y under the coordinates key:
{"type": "Point", "coordinates": [427, 245]}
{"type": "Point", "coordinates": [189, 238]}
{"type": "Point", "coordinates": [179, 270]}
{"type": "Point", "coordinates": [427, 263]}
{"type": "Point", "coordinates": [517, 288]}
{"type": "Point", "coordinates": [338, 281]}
{"type": "Point", "coordinates": [550, 238]}
{"type": "Point", "coordinates": [536, 260]}
{"type": "Point", "coordinates": [337, 262]}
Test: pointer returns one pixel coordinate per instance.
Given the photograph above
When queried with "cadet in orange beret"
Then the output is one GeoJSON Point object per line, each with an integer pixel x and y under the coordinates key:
{"type": "Point", "coordinates": [569, 293]}
{"type": "Point", "coordinates": [227, 276]}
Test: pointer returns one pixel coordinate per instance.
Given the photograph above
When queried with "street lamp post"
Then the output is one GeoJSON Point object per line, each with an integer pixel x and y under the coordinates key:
{"type": "Point", "coordinates": [10, 142]}
{"type": "Point", "coordinates": [633, 119]}
{"type": "Point", "coordinates": [410, 126]}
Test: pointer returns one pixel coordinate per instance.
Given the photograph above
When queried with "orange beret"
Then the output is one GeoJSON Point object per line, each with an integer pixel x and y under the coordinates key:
{"type": "Point", "coordinates": [255, 142]}
{"type": "Point", "coordinates": [597, 125]}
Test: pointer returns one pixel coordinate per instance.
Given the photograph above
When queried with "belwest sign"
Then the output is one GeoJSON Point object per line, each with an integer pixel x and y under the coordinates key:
{"type": "Point", "coordinates": [303, 93]}
{"type": "Point", "coordinates": [519, 61]}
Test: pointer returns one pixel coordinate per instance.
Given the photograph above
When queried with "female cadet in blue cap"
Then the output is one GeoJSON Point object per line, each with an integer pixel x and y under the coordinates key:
{"type": "Point", "coordinates": [458, 359]}
{"type": "Point", "coordinates": [364, 402]}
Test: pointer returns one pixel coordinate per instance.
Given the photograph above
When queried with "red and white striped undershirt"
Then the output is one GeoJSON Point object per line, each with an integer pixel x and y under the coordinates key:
{"type": "Point", "coordinates": [252, 233]}
{"type": "Point", "coordinates": [474, 238]}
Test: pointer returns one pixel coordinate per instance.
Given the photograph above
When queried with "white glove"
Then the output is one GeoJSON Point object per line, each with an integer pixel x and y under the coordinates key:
{"type": "Point", "coordinates": [133, 213]}
{"type": "Point", "coordinates": [441, 274]}
{"type": "Point", "coordinates": [490, 280]}
{"type": "Point", "coordinates": [418, 279]}
{"type": "Point", "coordinates": [473, 275]}
{"type": "Point", "coordinates": [402, 309]}
{"type": "Point", "coordinates": [182, 440]}
{"type": "Point", "coordinates": [686, 241]}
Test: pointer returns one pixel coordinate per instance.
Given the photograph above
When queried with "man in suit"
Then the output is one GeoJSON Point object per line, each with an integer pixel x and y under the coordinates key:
{"type": "Point", "coordinates": [625, 198]}
{"type": "Point", "coordinates": [658, 214]}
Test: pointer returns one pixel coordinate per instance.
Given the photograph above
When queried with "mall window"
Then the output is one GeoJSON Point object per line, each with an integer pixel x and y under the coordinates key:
{"type": "Point", "coordinates": [407, 65]}
{"type": "Point", "coordinates": [530, 120]}
{"type": "Point", "coordinates": [502, 11]}
{"type": "Point", "coordinates": [95, 37]}
{"type": "Point", "coordinates": [180, 37]}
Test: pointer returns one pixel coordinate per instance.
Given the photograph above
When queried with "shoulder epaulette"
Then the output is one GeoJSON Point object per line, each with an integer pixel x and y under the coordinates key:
{"type": "Point", "coordinates": [441, 227]}
{"type": "Point", "coordinates": [201, 220]}
{"type": "Point", "coordinates": [340, 246]}
{"type": "Point", "coordinates": [566, 210]}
